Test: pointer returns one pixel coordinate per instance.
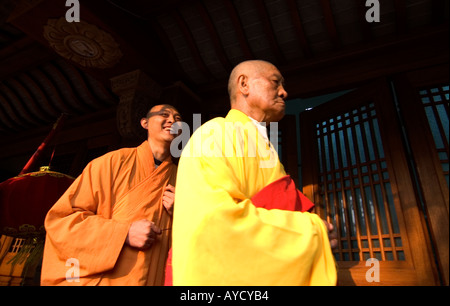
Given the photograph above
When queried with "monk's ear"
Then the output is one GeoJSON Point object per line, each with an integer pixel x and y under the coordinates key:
{"type": "Point", "coordinates": [144, 123]}
{"type": "Point", "coordinates": [242, 84]}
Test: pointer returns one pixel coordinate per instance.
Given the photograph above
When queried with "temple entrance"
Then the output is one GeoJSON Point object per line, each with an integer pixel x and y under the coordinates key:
{"type": "Point", "coordinates": [358, 169]}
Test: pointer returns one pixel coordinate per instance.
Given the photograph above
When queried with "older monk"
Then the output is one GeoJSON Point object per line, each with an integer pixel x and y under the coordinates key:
{"type": "Point", "coordinates": [223, 235]}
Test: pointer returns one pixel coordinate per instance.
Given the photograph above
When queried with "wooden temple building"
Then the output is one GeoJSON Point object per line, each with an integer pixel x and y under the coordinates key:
{"type": "Point", "coordinates": [366, 132]}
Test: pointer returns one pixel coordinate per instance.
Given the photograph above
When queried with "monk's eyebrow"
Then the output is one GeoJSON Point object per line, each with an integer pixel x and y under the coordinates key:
{"type": "Point", "coordinates": [151, 114]}
{"type": "Point", "coordinates": [279, 78]}
{"type": "Point", "coordinates": [162, 111]}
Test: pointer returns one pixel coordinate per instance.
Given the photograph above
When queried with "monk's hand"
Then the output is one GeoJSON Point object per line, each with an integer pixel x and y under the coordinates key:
{"type": "Point", "coordinates": [332, 234]}
{"type": "Point", "coordinates": [142, 234]}
{"type": "Point", "coordinates": [169, 198]}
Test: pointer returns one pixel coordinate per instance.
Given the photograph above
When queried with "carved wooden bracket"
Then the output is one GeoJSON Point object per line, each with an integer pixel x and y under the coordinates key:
{"type": "Point", "coordinates": [137, 93]}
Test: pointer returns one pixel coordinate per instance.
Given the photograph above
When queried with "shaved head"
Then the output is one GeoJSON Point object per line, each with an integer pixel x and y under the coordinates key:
{"type": "Point", "coordinates": [249, 68]}
{"type": "Point", "coordinates": [256, 88]}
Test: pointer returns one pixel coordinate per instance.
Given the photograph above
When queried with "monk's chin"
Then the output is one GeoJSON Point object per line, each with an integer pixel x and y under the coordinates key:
{"type": "Point", "coordinates": [277, 116]}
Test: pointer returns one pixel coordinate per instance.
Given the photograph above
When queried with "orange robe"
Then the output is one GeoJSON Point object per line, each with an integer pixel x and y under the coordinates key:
{"type": "Point", "coordinates": [88, 225]}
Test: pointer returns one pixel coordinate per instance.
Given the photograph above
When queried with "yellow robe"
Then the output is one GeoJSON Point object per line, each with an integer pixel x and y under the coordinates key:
{"type": "Point", "coordinates": [219, 236]}
{"type": "Point", "coordinates": [88, 225]}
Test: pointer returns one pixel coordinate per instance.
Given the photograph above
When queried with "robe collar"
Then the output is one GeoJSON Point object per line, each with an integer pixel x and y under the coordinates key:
{"type": "Point", "coordinates": [237, 115]}
{"type": "Point", "coordinates": [146, 157]}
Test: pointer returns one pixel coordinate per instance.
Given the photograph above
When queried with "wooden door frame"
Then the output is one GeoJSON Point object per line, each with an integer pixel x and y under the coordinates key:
{"type": "Point", "coordinates": [430, 176]}
{"type": "Point", "coordinates": [289, 152]}
{"type": "Point", "coordinates": [419, 262]}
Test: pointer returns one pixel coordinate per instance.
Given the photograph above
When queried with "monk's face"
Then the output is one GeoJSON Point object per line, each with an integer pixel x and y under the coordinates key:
{"type": "Point", "coordinates": [266, 92]}
{"type": "Point", "coordinates": [159, 122]}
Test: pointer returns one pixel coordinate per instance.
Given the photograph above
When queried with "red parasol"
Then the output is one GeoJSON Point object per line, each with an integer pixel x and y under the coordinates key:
{"type": "Point", "coordinates": [24, 203]}
{"type": "Point", "coordinates": [26, 198]}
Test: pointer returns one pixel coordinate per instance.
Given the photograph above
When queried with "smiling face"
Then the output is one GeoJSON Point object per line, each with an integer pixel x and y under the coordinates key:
{"type": "Point", "coordinates": [159, 121]}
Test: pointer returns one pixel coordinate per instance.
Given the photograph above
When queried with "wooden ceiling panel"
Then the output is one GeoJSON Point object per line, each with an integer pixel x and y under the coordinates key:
{"type": "Point", "coordinates": [103, 96]}
{"type": "Point", "coordinates": [238, 27]}
{"type": "Point", "coordinates": [226, 31]}
{"type": "Point", "coordinates": [314, 26]}
{"type": "Point", "coordinates": [10, 118]}
{"type": "Point", "coordinates": [183, 50]}
{"type": "Point", "coordinates": [206, 41]}
{"type": "Point", "coordinates": [29, 100]}
{"type": "Point", "coordinates": [196, 42]}
{"type": "Point", "coordinates": [21, 107]}
{"type": "Point", "coordinates": [419, 13]}
{"type": "Point", "coordinates": [69, 96]}
{"type": "Point", "coordinates": [50, 90]}
{"type": "Point", "coordinates": [388, 25]}
{"type": "Point", "coordinates": [9, 34]}
{"type": "Point", "coordinates": [195, 52]}
{"type": "Point", "coordinates": [330, 23]}
{"type": "Point", "coordinates": [215, 39]}
{"type": "Point", "coordinates": [39, 96]}
{"type": "Point", "coordinates": [253, 20]}
{"type": "Point", "coordinates": [348, 21]}
{"type": "Point", "coordinates": [270, 31]}
{"type": "Point", "coordinates": [6, 123]}
{"type": "Point", "coordinates": [299, 28]}
{"type": "Point", "coordinates": [284, 29]}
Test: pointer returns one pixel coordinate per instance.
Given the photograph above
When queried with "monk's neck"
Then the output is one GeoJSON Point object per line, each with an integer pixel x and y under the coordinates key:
{"type": "Point", "coordinates": [254, 113]}
{"type": "Point", "coordinates": [160, 151]}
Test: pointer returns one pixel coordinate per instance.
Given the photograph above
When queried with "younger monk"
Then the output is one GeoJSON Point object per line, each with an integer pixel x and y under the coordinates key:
{"type": "Point", "coordinates": [111, 227]}
{"type": "Point", "coordinates": [221, 236]}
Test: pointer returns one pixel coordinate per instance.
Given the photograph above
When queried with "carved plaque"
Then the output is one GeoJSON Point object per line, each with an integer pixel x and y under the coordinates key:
{"type": "Point", "coordinates": [83, 43]}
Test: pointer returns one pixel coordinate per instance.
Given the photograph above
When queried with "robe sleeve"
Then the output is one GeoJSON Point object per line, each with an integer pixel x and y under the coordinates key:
{"type": "Point", "coordinates": [79, 225]}
{"type": "Point", "coordinates": [221, 238]}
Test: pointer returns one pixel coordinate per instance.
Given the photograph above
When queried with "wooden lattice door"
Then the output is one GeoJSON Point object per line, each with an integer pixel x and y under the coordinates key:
{"type": "Point", "coordinates": [354, 168]}
{"type": "Point", "coordinates": [424, 97]}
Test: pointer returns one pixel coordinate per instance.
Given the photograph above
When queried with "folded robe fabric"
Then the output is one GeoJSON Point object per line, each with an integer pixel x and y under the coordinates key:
{"type": "Point", "coordinates": [280, 194]}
